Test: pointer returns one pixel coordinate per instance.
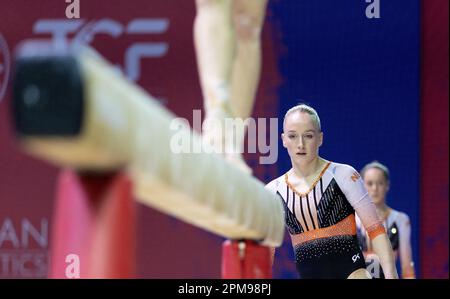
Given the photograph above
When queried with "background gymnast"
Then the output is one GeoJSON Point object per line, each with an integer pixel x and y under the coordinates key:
{"type": "Point", "coordinates": [396, 223]}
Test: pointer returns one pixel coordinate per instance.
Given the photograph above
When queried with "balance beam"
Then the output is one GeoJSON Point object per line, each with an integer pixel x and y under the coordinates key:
{"type": "Point", "coordinates": [78, 111]}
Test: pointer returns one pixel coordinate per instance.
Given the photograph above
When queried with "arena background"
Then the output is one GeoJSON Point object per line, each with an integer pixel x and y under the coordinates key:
{"type": "Point", "coordinates": [380, 86]}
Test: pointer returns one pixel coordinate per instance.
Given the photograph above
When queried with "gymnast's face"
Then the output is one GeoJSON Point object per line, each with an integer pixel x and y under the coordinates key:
{"type": "Point", "coordinates": [376, 184]}
{"type": "Point", "coordinates": [301, 137]}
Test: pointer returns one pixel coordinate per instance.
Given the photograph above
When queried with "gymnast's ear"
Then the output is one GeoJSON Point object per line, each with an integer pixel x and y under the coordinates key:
{"type": "Point", "coordinates": [282, 138]}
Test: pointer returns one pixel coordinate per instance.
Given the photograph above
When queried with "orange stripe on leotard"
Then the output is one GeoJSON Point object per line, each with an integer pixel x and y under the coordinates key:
{"type": "Point", "coordinates": [347, 226]}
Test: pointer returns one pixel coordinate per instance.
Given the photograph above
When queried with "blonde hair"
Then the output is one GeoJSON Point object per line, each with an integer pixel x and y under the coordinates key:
{"type": "Point", "coordinates": [377, 165]}
{"type": "Point", "coordinates": [307, 109]}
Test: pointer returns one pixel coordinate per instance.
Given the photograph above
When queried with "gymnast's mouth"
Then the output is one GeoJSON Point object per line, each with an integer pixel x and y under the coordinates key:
{"type": "Point", "coordinates": [301, 154]}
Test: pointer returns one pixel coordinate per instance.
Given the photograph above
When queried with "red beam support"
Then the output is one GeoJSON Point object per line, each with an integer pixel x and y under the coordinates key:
{"type": "Point", "coordinates": [95, 223]}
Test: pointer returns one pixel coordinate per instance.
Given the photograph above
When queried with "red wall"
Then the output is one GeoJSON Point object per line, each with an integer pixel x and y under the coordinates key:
{"type": "Point", "coordinates": [167, 248]}
{"type": "Point", "coordinates": [434, 140]}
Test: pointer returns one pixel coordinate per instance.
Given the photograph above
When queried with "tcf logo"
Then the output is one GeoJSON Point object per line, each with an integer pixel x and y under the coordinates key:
{"type": "Point", "coordinates": [4, 66]}
{"type": "Point", "coordinates": [84, 32]}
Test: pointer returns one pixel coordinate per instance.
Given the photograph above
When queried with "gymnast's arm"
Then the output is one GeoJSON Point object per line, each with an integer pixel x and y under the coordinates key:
{"type": "Point", "coordinates": [406, 261]}
{"type": "Point", "coordinates": [272, 187]}
{"type": "Point", "coordinates": [353, 188]}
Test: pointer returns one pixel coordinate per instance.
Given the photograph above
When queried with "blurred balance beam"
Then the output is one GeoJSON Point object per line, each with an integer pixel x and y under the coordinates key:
{"type": "Point", "coordinates": [78, 111]}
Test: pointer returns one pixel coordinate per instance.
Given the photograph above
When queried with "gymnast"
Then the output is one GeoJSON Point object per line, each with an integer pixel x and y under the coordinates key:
{"type": "Point", "coordinates": [320, 199]}
{"type": "Point", "coordinates": [228, 50]}
{"type": "Point", "coordinates": [396, 223]}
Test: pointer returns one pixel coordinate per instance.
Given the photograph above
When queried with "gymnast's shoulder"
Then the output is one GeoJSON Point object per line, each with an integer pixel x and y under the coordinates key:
{"type": "Point", "coordinates": [273, 185]}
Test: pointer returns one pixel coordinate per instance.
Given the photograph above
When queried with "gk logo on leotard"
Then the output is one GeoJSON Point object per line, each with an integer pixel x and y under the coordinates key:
{"type": "Point", "coordinates": [4, 66]}
{"type": "Point", "coordinates": [355, 257]}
